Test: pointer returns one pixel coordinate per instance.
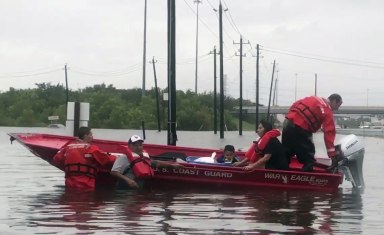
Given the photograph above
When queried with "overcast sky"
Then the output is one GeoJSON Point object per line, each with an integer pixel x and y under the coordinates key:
{"type": "Point", "coordinates": [102, 41]}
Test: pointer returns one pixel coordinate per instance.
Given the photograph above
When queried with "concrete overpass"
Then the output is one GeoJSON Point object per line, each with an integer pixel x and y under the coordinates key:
{"type": "Point", "coordinates": [363, 110]}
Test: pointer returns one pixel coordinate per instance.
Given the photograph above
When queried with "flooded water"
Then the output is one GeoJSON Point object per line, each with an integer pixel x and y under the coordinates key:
{"type": "Point", "coordinates": [33, 199]}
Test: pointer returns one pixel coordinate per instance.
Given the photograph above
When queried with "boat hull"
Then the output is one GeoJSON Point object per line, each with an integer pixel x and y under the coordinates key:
{"type": "Point", "coordinates": [192, 174]}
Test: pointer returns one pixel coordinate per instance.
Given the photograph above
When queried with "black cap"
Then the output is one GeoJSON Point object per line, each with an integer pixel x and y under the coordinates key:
{"type": "Point", "coordinates": [229, 148]}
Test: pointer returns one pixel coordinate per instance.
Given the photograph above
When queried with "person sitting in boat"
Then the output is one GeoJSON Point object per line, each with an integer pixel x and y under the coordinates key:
{"type": "Point", "coordinates": [228, 156]}
{"type": "Point", "coordinates": [81, 161]}
{"type": "Point", "coordinates": [268, 151]}
{"type": "Point", "coordinates": [132, 168]}
{"type": "Point", "coordinates": [305, 117]}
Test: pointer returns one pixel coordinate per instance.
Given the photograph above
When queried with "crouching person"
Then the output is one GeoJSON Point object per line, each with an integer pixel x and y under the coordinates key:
{"type": "Point", "coordinates": [82, 161]}
{"type": "Point", "coordinates": [135, 166]}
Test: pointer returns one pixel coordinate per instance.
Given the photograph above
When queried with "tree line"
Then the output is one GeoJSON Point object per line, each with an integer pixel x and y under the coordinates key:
{"type": "Point", "coordinates": [112, 108]}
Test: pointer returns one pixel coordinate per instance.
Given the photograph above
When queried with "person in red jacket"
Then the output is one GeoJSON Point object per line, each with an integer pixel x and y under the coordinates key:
{"type": "Point", "coordinates": [305, 117]}
{"type": "Point", "coordinates": [81, 161]}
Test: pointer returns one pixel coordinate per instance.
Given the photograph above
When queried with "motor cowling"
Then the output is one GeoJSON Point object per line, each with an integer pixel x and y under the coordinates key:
{"type": "Point", "coordinates": [352, 157]}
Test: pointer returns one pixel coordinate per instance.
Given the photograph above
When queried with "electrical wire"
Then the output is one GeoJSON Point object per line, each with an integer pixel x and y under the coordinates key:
{"type": "Point", "coordinates": [17, 75]}
{"type": "Point", "coordinates": [232, 22]}
{"type": "Point", "coordinates": [331, 59]}
{"type": "Point", "coordinates": [209, 29]}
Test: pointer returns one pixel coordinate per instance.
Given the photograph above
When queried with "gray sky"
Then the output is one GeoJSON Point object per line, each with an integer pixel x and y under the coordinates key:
{"type": "Point", "coordinates": [102, 41]}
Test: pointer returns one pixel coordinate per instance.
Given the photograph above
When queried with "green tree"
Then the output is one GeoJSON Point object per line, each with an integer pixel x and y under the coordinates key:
{"type": "Point", "coordinates": [111, 107]}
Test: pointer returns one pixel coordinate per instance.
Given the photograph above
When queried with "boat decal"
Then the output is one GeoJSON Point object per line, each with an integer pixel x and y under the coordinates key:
{"type": "Point", "coordinates": [196, 172]}
{"type": "Point", "coordinates": [312, 180]}
{"type": "Point", "coordinates": [276, 176]}
{"type": "Point", "coordinates": [218, 174]}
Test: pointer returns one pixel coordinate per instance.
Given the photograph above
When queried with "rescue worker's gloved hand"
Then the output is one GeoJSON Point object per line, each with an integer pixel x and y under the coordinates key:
{"type": "Point", "coordinates": [335, 163]}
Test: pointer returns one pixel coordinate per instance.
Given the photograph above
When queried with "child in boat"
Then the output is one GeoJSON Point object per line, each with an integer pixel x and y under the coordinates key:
{"type": "Point", "coordinates": [130, 169]}
{"type": "Point", "coordinates": [268, 150]}
{"type": "Point", "coordinates": [228, 156]}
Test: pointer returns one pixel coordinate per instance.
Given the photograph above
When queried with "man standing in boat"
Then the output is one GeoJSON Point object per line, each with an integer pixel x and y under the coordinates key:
{"type": "Point", "coordinates": [82, 161]}
{"type": "Point", "coordinates": [304, 118]}
{"type": "Point", "coordinates": [135, 166]}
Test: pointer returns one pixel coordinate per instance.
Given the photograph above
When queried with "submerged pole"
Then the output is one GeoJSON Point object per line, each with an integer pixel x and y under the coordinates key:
{"type": "Point", "coordinates": [172, 137]}
{"type": "Point", "coordinates": [221, 73]}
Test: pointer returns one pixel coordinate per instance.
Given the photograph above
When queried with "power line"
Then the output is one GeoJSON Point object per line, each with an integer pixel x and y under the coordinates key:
{"type": "Point", "coordinates": [210, 4]}
{"type": "Point", "coordinates": [331, 60]}
{"type": "Point", "coordinates": [29, 75]}
{"type": "Point", "coordinates": [322, 56]}
{"type": "Point", "coordinates": [209, 29]}
{"type": "Point", "coordinates": [105, 74]}
{"type": "Point", "coordinates": [232, 22]}
{"type": "Point", "coordinates": [114, 72]}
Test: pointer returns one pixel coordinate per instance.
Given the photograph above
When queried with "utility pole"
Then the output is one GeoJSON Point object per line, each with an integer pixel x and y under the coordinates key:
{"type": "Point", "coordinates": [270, 91]}
{"type": "Point", "coordinates": [257, 86]}
{"type": "Point", "coordinates": [197, 41]}
{"type": "Point", "coordinates": [221, 72]}
{"type": "Point", "coordinates": [241, 85]}
{"type": "Point", "coordinates": [172, 137]}
{"type": "Point", "coordinates": [214, 90]}
{"type": "Point", "coordinates": [144, 47]}
{"type": "Point", "coordinates": [315, 84]}
{"type": "Point", "coordinates": [66, 85]}
{"type": "Point", "coordinates": [275, 89]}
{"type": "Point", "coordinates": [156, 93]}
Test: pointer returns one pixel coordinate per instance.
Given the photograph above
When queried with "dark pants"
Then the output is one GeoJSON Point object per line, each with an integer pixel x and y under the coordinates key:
{"type": "Point", "coordinates": [299, 142]}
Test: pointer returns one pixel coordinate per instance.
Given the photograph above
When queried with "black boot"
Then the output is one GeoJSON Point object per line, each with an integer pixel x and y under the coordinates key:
{"type": "Point", "coordinates": [307, 167]}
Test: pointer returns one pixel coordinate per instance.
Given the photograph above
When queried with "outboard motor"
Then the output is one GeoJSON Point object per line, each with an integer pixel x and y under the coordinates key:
{"type": "Point", "coordinates": [351, 163]}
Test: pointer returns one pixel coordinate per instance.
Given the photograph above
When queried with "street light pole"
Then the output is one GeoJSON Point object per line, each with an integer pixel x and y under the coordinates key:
{"type": "Point", "coordinates": [144, 47]}
{"type": "Point", "coordinates": [197, 41]}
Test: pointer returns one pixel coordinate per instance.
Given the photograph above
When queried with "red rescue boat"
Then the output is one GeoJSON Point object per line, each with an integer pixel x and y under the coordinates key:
{"type": "Point", "coordinates": [46, 146]}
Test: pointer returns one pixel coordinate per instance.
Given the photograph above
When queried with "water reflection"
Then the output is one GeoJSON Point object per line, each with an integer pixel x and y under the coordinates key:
{"type": "Point", "coordinates": [269, 211]}
{"type": "Point", "coordinates": [191, 211]}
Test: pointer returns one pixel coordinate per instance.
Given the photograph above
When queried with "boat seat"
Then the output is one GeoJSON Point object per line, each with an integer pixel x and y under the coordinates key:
{"type": "Point", "coordinates": [170, 156]}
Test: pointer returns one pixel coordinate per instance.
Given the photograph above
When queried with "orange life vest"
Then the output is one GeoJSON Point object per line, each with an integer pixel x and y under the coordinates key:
{"type": "Point", "coordinates": [140, 164]}
{"type": "Point", "coordinates": [79, 160]}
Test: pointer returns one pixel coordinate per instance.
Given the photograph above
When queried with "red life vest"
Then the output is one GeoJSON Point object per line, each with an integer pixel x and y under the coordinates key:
{"type": "Point", "coordinates": [254, 152]}
{"type": "Point", "coordinates": [251, 153]}
{"type": "Point", "coordinates": [79, 160]}
{"type": "Point", "coordinates": [310, 113]}
{"type": "Point", "coordinates": [140, 164]}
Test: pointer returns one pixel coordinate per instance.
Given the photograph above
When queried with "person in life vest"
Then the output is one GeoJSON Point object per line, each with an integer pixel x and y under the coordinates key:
{"type": "Point", "coordinates": [305, 117]}
{"type": "Point", "coordinates": [81, 161]}
{"type": "Point", "coordinates": [132, 168]}
{"type": "Point", "coordinates": [268, 150]}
